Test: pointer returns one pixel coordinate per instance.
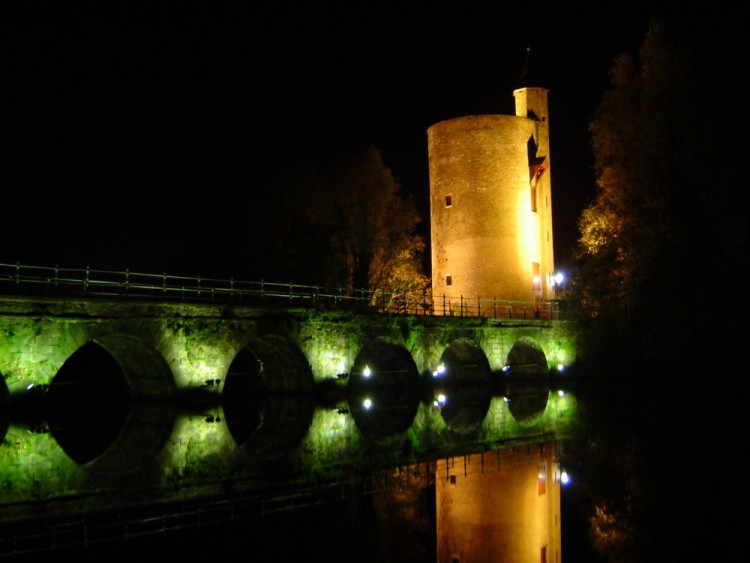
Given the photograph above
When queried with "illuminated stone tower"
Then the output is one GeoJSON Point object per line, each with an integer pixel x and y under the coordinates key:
{"type": "Point", "coordinates": [490, 205]}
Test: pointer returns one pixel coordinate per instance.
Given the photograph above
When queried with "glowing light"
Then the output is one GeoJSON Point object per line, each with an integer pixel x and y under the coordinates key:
{"type": "Point", "coordinates": [561, 367]}
{"type": "Point", "coordinates": [366, 372]}
{"type": "Point", "coordinates": [506, 367]}
{"type": "Point", "coordinates": [537, 280]}
{"type": "Point", "coordinates": [506, 399]}
{"type": "Point", "coordinates": [367, 403]}
{"type": "Point", "coordinates": [561, 393]}
{"type": "Point", "coordinates": [439, 371]}
{"type": "Point", "coordinates": [559, 278]}
{"type": "Point", "coordinates": [564, 478]}
{"type": "Point", "coordinates": [441, 399]}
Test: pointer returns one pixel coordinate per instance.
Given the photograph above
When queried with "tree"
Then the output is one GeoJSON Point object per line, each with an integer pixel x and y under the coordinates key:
{"type": "Point", "coordinates": [364, 227]}
{"type": "Point", "coordinates": [660, 249]}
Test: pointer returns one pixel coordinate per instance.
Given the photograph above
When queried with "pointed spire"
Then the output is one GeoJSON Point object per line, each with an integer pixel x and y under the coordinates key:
{"type": "Point", "coordinates": [525, 68]}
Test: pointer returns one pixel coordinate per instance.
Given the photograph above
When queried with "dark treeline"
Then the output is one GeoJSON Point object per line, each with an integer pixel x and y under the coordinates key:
{"type": "Point", "coordinates": [660, 315]}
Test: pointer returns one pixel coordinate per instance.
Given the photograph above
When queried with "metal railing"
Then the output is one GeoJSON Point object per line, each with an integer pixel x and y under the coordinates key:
{"type": "Point", "coordinates": [25, 280]}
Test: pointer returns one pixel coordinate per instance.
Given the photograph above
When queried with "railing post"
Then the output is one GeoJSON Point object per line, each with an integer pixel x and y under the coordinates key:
{"type": "Point", "coordinates": [461, 306]}
{"type": "Point", "coordinates": [231, 288]}
{"type": "Point", "coordinates": [479, 307]}
{"type": "Point", "coordinates": [127, 281]}
{"type": "Point", "coordinates": [494, 307]}
{"type": "Point", "coordinates": [443, 304]}
{"type": "Point", "coordinates": [524, 310]}
{"type": "Point", "coordinates": [164, 284]}
{"type": "Point", "coordinates": [86, 281]}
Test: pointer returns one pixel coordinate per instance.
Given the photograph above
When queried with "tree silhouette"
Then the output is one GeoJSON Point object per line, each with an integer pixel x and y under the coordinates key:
{"type": "Point", "coordinates": [660, 250]}
{"type": "Point", "coordinates": [364, 227]}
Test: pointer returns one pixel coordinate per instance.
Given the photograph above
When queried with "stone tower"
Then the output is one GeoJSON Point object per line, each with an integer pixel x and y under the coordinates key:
{"type": "Point", "coordinates": [490, 206]}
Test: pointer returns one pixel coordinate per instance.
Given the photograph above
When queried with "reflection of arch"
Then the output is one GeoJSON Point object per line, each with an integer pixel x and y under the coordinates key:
{"type": "Point", "coordinates": [464, 381]}
{"type": "Point", "coordinates": [526, 382]}
{"type": "Point", "coordinates": [383, 389]}
{"type": "Point", "coordinates": [268, 396]}
{"type": "Point", "coordinates": [109, 407]}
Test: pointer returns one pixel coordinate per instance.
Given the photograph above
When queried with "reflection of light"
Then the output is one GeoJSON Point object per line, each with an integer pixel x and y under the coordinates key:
{"type": "Point", "coordinates": [561, 393]}
{"type": "Point", "coordinates": [506, 399]}
{"type": "Point", "coordinates": [439, 371]}
{"type": "Point", "coordinates": [561, 367]}
{"type": "Point", "coordinates": [366, 372]}
{"type": "Point", "coordinates": [564, 478]}
{"type": "Point", "coordinates": [29, 386]}
{"type": "Point", "coordinates": [367, 403]}
{"type": "Point", "coordinates": [506, 367]}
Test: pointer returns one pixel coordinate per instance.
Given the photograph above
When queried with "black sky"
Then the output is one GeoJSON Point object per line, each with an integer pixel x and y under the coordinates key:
{"type": "Point", "coordinates": [143, 135]}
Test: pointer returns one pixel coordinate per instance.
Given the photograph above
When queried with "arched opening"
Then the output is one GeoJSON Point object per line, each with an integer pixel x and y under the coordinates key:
{"type": "Point", "coordinates": [383, 389]}
{"type": "Point", "coordinates": [109, 407]}
{"type": "Point", "coordinates": [268, 396]}
{"type": "Point", "coordinates": [526, 381]}
{"type": "Point", "coordinates": [463, 385]}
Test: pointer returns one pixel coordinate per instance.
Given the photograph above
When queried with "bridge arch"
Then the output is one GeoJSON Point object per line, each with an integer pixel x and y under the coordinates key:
{"type": "Point", "coordinates": [526, 381]}
{"type": "Point", "coordinates": [463, 385]}
{"type": "Point", "coordinates": [383, 389]}
{"type": "Point", "coordinates": [110, 405]}
{"type": "Point", "coordinates": [268, 396]}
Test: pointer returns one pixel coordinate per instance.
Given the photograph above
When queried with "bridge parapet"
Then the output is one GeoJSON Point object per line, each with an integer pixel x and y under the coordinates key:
{"type": "Point", "coordinates": [22, 280]}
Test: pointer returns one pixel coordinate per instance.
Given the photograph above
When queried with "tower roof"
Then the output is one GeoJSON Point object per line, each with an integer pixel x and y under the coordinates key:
{"type": "Point", "coordinates": [528, 77]}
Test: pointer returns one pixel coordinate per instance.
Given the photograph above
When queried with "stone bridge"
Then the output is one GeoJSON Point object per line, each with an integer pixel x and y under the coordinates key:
{"type": "Point", "coordinates": [109, 401]}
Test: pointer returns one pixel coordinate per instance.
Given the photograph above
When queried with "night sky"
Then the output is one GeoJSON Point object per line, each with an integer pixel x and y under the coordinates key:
{"type": "Point", "coordinates": [145, 136]}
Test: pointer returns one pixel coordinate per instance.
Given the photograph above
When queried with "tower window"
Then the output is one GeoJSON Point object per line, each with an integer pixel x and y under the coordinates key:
{"type": "Point", "coordinates": [448, 280]}
{"type": "Point", "coordinates": [449, 201]}
{"type": "Point", "coordinates": [533, 197]}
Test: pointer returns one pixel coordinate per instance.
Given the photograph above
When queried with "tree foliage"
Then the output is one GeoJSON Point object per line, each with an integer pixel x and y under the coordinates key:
{"type": "Point", "coordinates": [661, 249]}
{"type": "Point", "coordinates": [357, 224]}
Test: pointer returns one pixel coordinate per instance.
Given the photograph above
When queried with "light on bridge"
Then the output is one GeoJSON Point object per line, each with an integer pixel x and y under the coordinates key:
{"type": "Point", "coordinates": [366, 372]}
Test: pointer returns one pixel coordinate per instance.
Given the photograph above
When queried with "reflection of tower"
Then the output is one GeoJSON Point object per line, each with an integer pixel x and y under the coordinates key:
{"type": "Point", "coordinates": [490, 204]}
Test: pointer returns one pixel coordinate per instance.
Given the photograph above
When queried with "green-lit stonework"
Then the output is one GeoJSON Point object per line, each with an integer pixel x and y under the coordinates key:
{"type": "Point", "coordinates": [294, 407]}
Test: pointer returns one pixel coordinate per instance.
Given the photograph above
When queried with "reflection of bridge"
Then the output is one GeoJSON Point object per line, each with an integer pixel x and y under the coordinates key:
{"type": "Point", "coordinates": [160, 401]}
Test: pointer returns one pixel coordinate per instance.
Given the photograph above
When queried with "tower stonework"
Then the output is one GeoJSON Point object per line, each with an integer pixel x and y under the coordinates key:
{"type": "Point", "coordinates": [490, 205]}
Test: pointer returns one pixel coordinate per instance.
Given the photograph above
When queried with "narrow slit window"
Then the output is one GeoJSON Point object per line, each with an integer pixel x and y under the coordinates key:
{"type": "Point", "coordinates": [449, 280]}
{"type": "Point", "coordinates": [449, 201]}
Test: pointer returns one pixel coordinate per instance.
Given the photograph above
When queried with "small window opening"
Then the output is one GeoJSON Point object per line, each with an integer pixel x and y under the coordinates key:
{"type": "Point", "coordinates": [449, 201]}
{"type": "Point", "coordinates": [448, 280]}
